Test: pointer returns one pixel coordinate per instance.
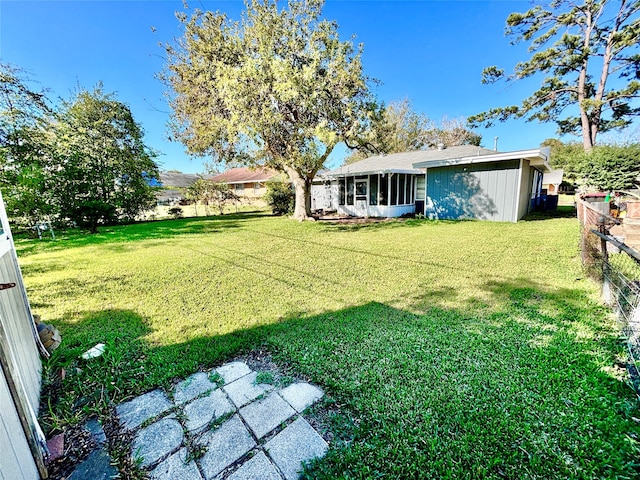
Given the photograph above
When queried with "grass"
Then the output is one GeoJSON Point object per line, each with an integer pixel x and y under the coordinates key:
{"type": "Point", "coordinates": [452, 349]}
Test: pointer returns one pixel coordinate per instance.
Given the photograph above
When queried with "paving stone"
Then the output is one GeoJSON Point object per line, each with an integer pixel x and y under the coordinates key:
{"type": "Point", "coordinates": [245, 390]}
{"type": "Point", "coordinates": [202, 411]}
{"type": "Point", "coordinates": [297, 443]}
{"type": "Point", "coordinates": [230, 372]}
{"type": "Point", "coordinates": [256, 468]}
{"type": "Point", "coordinates": [97, 466]}
{"type": "Point", "coordinates": [224, 445]}
{"type": "Point", "coordinates": [137, 411]}
{"type": "Point", "coordinates": [265, 415]}
{"type": "Point", "coordinates": [96, 430]}
{"type": "Point", "coordinates": [157, 441]}
{"type": "Point", "coordinates": [176, 468]}
{"type": "Point", "coordinates": [301, 395]}
{"type": "Point", "coordinates": [190, 388]}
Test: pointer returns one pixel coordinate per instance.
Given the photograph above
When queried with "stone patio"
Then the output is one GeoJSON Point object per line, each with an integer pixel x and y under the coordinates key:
{"type": "Point", "coordinates": [235, 428]}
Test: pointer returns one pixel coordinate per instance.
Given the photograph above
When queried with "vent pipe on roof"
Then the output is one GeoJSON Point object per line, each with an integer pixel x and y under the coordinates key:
{"type": "Point", "coordinates": [495, 143]}
{"type": "Point", "coordinates": [441, 146]}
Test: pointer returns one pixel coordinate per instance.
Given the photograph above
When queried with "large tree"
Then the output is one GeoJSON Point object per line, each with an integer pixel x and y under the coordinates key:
{"type": "Point", "coordinates": [103, 169]}
{"type": "Point", "coordinates": [24, 113]}
{"type": "Point", "coordinates": [589, 58]}
{"type": "Point", "coordinates": [278, 88]}
{"type": "Point", "coordinates": [401, 129]}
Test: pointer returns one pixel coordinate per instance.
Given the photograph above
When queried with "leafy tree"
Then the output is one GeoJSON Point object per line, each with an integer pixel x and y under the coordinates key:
{"type": "Point", "coordinates": [401, 129]}
{"type": "Point", "coordinates": [578, 47]}
{"type": "Point", "coordinates": [278, 89]}
{"type": "Point", "coordinates": [605, 167]}
{"type": "Point", "coordinates": [103, 169]}
{"type": "Point", "coordinates": [24, 112]}
{"type": "Point", "coordinates": [209, 192]}
{"type": "Point", "coordinates": [280, 197]}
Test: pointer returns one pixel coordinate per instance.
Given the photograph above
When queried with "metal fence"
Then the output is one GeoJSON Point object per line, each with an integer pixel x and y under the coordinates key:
{"type": "Point", "coordinates": [617, 266]}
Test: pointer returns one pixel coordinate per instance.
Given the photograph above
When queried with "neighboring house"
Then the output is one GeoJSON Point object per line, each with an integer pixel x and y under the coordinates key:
{"type": "Point", "coordinates": [447, 183]}
{"type": "Point", "coordinates": [551, 181]}
{"type": "Point", "coordinates": [174, 185]}
{"type": "Point", "coordinates": [248, 183]}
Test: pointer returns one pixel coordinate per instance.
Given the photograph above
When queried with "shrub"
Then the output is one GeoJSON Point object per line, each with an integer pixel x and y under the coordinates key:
{"type": "Point", "coordinates": [175, 212]}
{"type": "Point", "coordinates": [280, 197]}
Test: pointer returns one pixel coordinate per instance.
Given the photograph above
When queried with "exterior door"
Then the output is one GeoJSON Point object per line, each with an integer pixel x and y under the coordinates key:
{"type": "Point", "coordinates": [362, 190]}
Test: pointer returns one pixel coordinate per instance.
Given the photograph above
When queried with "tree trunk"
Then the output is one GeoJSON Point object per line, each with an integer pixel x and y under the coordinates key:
{"type": "Point", "coordinates": [302, 186]}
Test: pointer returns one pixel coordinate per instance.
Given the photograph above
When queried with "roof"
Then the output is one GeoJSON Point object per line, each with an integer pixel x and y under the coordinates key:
{"type": "Point", "coordinates": [406, 162]}
{"type": "Point", "coordinates": [553, 176]}
{"type": "Point", "coordinates": [178, 179]}
{"type": "Point", "coordinates": [537, 157]}
{"type": "Point", "coordinates": [245, 175]}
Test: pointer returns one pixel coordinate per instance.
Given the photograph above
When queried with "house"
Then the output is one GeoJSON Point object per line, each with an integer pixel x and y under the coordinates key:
{"type": "Point", "coordinates": [551, 182]}
{"type": "Point", "coordinates": [248, 183]}
{"type": "Point", "coordinates": [445, 183]}
{"type": "Point", "coordinates": [174, 185]}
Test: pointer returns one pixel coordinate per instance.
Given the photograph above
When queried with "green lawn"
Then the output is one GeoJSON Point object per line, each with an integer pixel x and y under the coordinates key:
{"type": "Point", "coordinates": [449, 349]}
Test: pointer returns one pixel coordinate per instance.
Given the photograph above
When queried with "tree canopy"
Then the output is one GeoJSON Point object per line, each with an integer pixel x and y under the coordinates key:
{"type": "Point", "coordinates": [605, 168]}
{"type": "Point", "coordinates": [277, 88]}
{"type": "Point", "coordinates": [589, 56]}
{"type": "Point", "coordinates": [84, 160]}
{"type": "Point", "coordinates": [401, 129]}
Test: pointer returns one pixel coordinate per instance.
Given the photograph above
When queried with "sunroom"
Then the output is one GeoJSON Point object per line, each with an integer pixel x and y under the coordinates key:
{"type": "Point", "coordinates": [377, 186]}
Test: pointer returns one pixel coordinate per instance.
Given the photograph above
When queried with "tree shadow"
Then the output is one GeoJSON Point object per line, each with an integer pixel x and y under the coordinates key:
{"type": "Point", "coordinates": [522, 388]}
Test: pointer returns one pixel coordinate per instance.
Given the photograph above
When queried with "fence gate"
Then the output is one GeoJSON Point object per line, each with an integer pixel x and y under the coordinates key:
{"type": "Point", "coordinates": [21, 439]}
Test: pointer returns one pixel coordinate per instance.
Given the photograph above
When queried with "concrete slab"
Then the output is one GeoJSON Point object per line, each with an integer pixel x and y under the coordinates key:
{"type": "Point", "coordinates": [297, 443]}
{"type": "Point", "coordinates": [97, 466]}
{"type": "Point", "coordinates": [301, 395]}
{"type": "Point", "coordinates": [202, 411]}
{"type": "Point", "coordinates": [137, 411]}
{"type": "Point", "coordinates": [157, 441]}
{"type": "Point", "coordinates": [265, 415]}
{"type": "Point", "coordinates": [175, 467]}
{"type": "Point", "coordinates": [256, 468]}
{"type": "Point", "coordinates": [190, 388]}
{"type": "Point", "coordinates": [230, 372]}
{"type": "Point", "coordinates": [224, 445]}
{"type": "Point", "coordinates": [245, 390]}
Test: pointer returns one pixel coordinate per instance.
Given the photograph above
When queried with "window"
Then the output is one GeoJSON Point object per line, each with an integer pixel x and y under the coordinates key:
{"type": "Point", "coordinates": [350, 190]}
{"type": "Point", "coordinates": [409, 192]}
{"type": "Point", "coordinates": [256, 188]}
{"type": "Point", "coordinates": [341, 190]}
{"type": "Point", "coordinates": [401, 188]}
{"type": "Point", "coordinates": [373, 190]}
{"type": "Point", "coordinates": [240, 188]}
{"type": "Point", "coordinates": [394, 189]}
{"type": "Point", "coordinates": [384, 189]}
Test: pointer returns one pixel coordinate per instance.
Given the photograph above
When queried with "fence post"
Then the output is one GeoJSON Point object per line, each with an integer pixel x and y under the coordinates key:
{"type": "Point", "coordinates": [606, 273]}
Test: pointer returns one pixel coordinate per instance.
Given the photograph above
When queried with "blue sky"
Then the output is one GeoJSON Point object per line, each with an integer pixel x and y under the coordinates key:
{"type": "Point", "coordinates": [431, 52]}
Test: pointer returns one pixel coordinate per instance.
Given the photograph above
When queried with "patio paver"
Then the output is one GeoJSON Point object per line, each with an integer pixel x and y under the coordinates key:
{"type": "Point", "coordinates": [227, 427]}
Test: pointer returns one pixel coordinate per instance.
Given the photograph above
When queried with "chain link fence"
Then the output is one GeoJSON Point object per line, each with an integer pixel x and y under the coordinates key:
{"type": "Point", "coordinates": [617, 266]}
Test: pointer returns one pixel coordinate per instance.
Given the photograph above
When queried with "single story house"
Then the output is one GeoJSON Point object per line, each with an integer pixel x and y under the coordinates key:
{"type": "Point", "coordinates": [445, 183]}
{"type": "Point", "coordinates": [248, 183]}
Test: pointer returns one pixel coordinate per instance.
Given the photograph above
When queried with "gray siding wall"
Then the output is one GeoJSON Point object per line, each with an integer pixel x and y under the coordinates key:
{"type": "Point", "coordinates": [486, 191]}
{"type": "Point", "coordinates": [525, 189]}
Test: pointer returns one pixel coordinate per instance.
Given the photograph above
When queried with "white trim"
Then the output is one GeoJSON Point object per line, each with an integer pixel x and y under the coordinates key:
{"type": "Point", "coordinates": [519, 192]}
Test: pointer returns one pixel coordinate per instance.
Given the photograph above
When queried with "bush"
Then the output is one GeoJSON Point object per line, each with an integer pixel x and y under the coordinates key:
{"type": "Point", "coordinates": [280, 197]}
{"type": "Point", "coordinates": [175, 212]}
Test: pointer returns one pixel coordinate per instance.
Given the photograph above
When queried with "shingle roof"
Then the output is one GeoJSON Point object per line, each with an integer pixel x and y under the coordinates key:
{"type": "Point", "coordinates": [179, 180]}
{"type": "Point", "coordinates": [403, 162]}
{"type": "Point", "coordinates": [245, 175]}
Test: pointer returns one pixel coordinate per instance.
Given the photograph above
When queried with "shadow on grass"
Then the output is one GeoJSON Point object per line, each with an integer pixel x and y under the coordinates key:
{"type": "Point", "coordinates": [523, 389]}
{"type": "Point", "coordinates": [563, 211]}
